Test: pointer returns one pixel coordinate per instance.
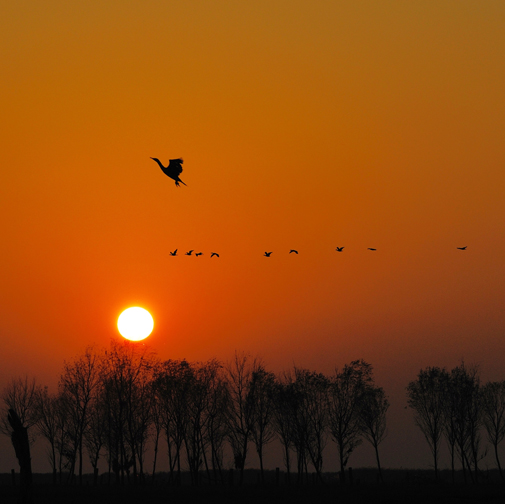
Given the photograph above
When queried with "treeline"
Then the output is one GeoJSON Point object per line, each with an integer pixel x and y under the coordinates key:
{"type": "Point", "coordinates": [455, 405]}
{"type": "Point", "coordinates": [112, 405]}
{"type": "Point", "coordinates": [115, 403]}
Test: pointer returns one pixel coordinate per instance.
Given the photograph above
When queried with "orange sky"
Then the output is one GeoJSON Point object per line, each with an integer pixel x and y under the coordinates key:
{"type": "Point", "coordinates": [304, 125]}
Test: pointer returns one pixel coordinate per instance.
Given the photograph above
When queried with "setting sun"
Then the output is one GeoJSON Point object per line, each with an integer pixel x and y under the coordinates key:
{"type": "Point", "coordinates": [135, 323]}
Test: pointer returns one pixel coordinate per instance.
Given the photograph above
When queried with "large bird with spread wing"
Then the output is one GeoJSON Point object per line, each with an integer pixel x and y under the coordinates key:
{"type": "Point", "coordinates": [173, 170]}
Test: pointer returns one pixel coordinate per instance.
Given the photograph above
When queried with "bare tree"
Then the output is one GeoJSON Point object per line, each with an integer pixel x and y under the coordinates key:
{"type": "Point", "coordinates": [157, 418]}
{"type": "Point", "coordinates": [140, 417]}
{"type": "Point", "coordinates": [20, 395]}
{"type": "Point", "coordinates": [95, 433]}
{"type": "Point", "coordinates": [493, 402]}
{"type": "Point", "coordinates": [312, 415]}
{"type": "Point", "coordinates": [373, 419]}
{"type": "Point", "coordinates": [297, 423]}
{"type": "Point", "coordinates": [77, 384]}
{"type": "Point", "coordinates": [172, 388]}
{"type": "Point", "coordinates": [18, 416]}
{"type": "Point", "coordinates": [262, 387]}
{"type": "Point", "coordinates": [284, 405]}
{"type": "Point", "coordinates": [465, 404]}
{"type": "Point", "coordinates": [217, 413]}
{"type": "Point", "coordinates": [126, 375]}
{"type": "Point", "coordinates": [426, 397]}
{"type": "Point", "coordinates": [48, 424]}
{"type": "Point", "coordinates": [345, 394]}
{"type": "Point", "coordinates": [241, 406]}
{"type": "Point", "coordinates": [198, 401]}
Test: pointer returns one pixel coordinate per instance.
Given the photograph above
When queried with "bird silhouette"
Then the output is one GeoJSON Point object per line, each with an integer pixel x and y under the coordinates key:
{"type": "Point", "coordinates": [462, 248]}
{"type": "Point", "coordinates": [369, 248]}
{"type": "Point", "coordinates": [339, 249]}
{"type": "Point", "coordinates": [293, 250]}
{"type": "Point", "coordinates": [174, 253]}
{"type": "Point", "coordinates": [173, 170]}
{"type": "Point", "coordinates": [214, 254]}
{"type": "Point", "coordinates": [198, 254]}
{"type": "Point", "coordinates": [267, 254]}
{"type": "Point", "coordinates": [189, 252]}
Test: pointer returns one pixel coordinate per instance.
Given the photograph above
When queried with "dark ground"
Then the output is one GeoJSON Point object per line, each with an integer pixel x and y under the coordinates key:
{"type": "Point", "coordinates": [401, 487]}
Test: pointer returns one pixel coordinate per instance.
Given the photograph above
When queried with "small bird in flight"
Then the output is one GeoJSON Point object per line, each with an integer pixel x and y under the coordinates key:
{"type": "Point", "coordinates": [267, 254]}
{"type": "Point", "coordinates": [214, 254]}
{"type": "Point", "coordinates": [173, 170]}
{"type": "Point", "coordinates": [369, 248]}
{"type": "Point", "coordinates": [292, 251]}
{"type": "Point", "coordinates": [339, 249]}
{"type": "Point", "coordinates": [174, 253]}
{"type": "Point", "coordinates": [189, 252]}
{"type": "Point", "coordinates": [462, 248]}
{"type": "Point", "coordinates": [198, 254]}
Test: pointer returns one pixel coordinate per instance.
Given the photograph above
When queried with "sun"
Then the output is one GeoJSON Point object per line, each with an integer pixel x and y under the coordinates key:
{"type": "Point", "coordinates": [135, 323]}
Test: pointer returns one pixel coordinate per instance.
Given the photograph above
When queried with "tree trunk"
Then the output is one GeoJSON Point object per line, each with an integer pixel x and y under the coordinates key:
{"type": "Point", "coordinates": [262, 472]}
{"type": "Point", "coordinates": [498, 461]}
{"type": "Point", "coordinates": [376, 446]}
{"type": "Point", "coordinates": [435, 459]}
{"type": "Point", "coordinates": [155, 454]}
{"type": "Point", "coordinates": [342, 466]}
{"type": "Point", "coordinates": [80, 461]}
{"type": "Point", "coordinates": [19, 438]}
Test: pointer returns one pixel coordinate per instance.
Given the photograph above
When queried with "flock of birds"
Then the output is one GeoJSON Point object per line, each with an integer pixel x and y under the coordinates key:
{"type": "Point", "coordinates": [197, 254]}
{"type": "Point", "coordinates": [268, 254]}
{"type": "Point", "coordinates": [174, 169]}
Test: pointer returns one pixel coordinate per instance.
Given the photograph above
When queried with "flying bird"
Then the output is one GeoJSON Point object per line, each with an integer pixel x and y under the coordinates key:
{"type": "Point", "coordinates": [267, 254]}
{"type": "Point", "coordinates": [189, 252]}
{"type": "Point", "coordinates": [198, 254]}
{"type": "Point", "coordinates": [214, 254]}
{"type": "Point", "coordinates": [173, 170]}
{"type": "Point", "coordinates": [339, 249]}
{"type": "Point", "coordinates": [174, 253]}
{"type": "Point", "coordinates": [462, 248]}
{"type": "Point", "coordinates": [293, 251]}
{"type": "Point", "coordinates": [369, 248]}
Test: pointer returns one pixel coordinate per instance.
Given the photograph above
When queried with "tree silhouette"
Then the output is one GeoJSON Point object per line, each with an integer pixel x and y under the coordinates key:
{"type": "Point", "coordinates": [284, 405]}
{"type": "Point", "coordinates": [240, 413]}
{"type": "Point", "coordinates": [49, 424]}
{"type": "Point", "coordinates": [127, 375]}
{"type": "Point", "coordinates": [373, 419]}
{"type": "Point", "coordinates": [77, 384]}
{"type": "Point", "coordinates": [157, 422]}
{"type": "Point", "coordinates": [464, 403]}
{"type": "Point", "coordinates": [426, 396]}
{"type": "Point", "coordinates": [172, 384]}
{"type": "Point", "coordinates": [493, 407]}
{"type": "Point", "coordinates": [345, 401]}
{"type": "Point", "coordinates": [312, 415]}
{"type": "Point", "coordinates": [95, 434]}
{"type": "Point", "coordinates": [19, 415]}
{"type": "Point", "coordinates": [214, 432]}
{"type": "Point", "coordinates": [262, 388]}
{"type": "Point", "coordinates": [20, 395]}
{"type": "Point", "coordinates": [120, 401]}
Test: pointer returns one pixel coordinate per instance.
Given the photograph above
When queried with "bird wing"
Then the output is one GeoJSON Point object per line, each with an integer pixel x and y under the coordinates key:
{"type": "Point", "coordinates": [175, 166]}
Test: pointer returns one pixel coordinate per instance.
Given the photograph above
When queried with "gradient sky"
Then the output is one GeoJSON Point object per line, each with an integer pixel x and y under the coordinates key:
{"type": "Point", "coordinates": [304, 125]}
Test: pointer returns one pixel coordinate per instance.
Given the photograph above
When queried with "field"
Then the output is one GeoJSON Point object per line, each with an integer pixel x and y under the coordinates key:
{"type": "Point", "coordinates": [401, 487]}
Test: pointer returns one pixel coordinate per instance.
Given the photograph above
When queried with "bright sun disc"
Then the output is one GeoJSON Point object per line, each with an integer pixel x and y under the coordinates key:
{"type": "Point", "coordinates": [135, 323]}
